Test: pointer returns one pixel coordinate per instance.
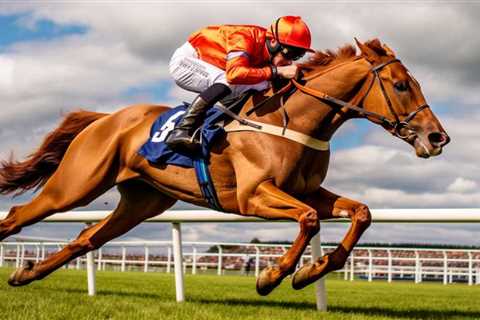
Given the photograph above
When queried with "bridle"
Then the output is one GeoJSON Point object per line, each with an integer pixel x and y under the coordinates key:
{"type": "Point", "coordinates": [395, 127]}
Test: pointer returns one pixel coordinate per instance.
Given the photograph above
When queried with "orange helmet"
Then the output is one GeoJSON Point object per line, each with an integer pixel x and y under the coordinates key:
{"type": "Point", "coordinates": [291, 31]}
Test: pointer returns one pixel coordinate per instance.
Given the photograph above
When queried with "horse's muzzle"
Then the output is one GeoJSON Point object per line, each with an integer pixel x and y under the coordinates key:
{"type": "Point", "coordinates": [431, 144]}
{"type": "Point", "coordinates": [438, 139]}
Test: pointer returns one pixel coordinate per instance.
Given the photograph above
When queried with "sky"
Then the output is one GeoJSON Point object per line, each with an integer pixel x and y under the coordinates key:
{"type": "Point", "coordinates": [57, 56]}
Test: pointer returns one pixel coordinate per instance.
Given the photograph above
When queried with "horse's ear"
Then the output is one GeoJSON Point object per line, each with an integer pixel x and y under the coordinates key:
{"type": "Point", "coordinates": [388, 50]}
{"type": "Point", "coordinates": [367, 52]}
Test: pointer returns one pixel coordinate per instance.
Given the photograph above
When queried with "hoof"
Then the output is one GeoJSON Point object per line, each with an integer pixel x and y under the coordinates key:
{"type": "Point", "coordinates": [269, 279]}
{"type": "Point", "coordinates": [310, 273]}
{"type": "Point", "coordinates": [19, 277]}
{"type": "Point", "coordinates": [303, 276]}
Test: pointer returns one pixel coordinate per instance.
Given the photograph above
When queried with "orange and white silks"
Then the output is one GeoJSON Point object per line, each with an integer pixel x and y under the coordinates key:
{"type": "Point", "coordinates": [240, 50]}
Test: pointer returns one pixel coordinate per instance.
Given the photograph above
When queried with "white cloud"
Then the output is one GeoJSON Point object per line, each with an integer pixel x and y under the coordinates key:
{"type": "Point", "coordinates": [461, 185]}
{"type": "Point", "coordinates": [6, 73]}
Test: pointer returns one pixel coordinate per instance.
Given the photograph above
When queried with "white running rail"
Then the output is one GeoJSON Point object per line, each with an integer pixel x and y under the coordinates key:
{"type": "Point", "coordinates": [176, 217]}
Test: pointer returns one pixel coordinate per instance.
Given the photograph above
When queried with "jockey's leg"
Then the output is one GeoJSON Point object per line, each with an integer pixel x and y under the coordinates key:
{"type": "Point", "coordinates": [193, 74]}
{"type": "Point", "coordinates": [328, 206]}
{"type": "Point", "coordinates": [139, 201]}
{"type": "Point", "coordinates": [182, 136]}
{"type": "Point", "coordinates": [272, 203]}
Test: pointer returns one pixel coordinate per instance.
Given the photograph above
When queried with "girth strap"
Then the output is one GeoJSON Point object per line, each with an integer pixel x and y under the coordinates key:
{"type": "Point", "coordinates": [206, 184]}
{"type": "Point", "coordinates": [289, 134]}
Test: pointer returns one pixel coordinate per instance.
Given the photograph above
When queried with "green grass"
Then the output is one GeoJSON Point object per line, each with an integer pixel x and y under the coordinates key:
{"type": "Point", "coordinates": [136, 295]}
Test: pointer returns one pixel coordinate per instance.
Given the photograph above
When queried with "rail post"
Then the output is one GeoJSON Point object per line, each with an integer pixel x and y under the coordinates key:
{"type": "Point", "coordinates": [2, 253]}
{"type": "Point", "coordinates": [194, 261]}
{"type": "Point", "coordinates": [91, 272]}
{"type": "Point", "coordinates": [146, 258]}
{"type": "Point", "coordinates": [17, 259]}
{"type": "Point", "coordinates": [124, 258]}
{"type": "Point", "coordinates": [178, 261]}
{"type": "Point", "coordinates": [22, 256]}
{"type": "Point", "coordinates": [220, 260]}
{"type": "Point", "coordinates": [352, 265]}
{"type": "Point", "coordinates": [417, 266]}
{"type": "Point", "coordinates": [370, 266]}
{"type": "Point", "coordinates": [320, 290]}
{"type": "Point", "coordinates": [99, 259]}
{"type": "Point", "coordinates": [470, 268]}
{"type": "Point", "coordinates": [37, 253]}
{"type": "Point", "coordinates": [445, 268]}
{"type": "Point", "coordinates": [169, 259]}
{"type": "Point", "coordinates": [257, 261]}
{"type": "Point", "coordinates": [389, 252]}
{"type": "Point", "coordinates": [420, 272]}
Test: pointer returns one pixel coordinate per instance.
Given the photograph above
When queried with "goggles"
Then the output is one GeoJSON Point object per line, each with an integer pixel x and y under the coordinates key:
{"type": "Point", "coordinates": [292, 53]}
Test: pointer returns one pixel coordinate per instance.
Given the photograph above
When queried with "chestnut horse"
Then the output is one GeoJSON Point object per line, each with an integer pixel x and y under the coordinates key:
{"type": "Point", "coordinates": [254, 173]}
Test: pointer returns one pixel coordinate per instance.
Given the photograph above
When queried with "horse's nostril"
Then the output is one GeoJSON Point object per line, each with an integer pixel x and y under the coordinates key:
{"type": "Point", "coordinates": [438, 139]}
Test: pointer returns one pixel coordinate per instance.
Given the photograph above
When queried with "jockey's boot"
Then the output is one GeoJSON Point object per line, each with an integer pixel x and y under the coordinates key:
{"type": "Point", "coordinates": [181, 138]}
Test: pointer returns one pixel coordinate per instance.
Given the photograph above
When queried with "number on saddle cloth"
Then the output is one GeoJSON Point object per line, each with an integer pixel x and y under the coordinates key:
{"type": "Point", "coordinates": [168, 126]}
{"type": "Point", "coordinates": [156, 150]}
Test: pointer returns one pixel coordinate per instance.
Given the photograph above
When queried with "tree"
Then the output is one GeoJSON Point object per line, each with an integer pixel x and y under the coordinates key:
{"type": "Point", "coordinates": [255, 240]}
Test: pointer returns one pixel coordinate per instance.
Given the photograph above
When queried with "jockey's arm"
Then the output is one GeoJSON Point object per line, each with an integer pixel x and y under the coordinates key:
{"type": "Point", "coordinates": [239, 71]}
{"type": "Point", "coordinates": [240, 47]}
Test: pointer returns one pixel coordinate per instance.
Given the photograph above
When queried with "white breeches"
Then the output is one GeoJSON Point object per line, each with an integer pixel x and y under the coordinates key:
{"type": "Point", "coordinates": [193, 74]}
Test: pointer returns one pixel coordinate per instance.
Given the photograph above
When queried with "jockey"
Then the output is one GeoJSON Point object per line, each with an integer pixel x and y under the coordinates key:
{"type": "Point", "coordinates": [222, 62]}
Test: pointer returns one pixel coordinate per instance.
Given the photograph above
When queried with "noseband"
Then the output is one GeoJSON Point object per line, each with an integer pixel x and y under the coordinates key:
{"type": "Point", "coordinates": [395, 127]}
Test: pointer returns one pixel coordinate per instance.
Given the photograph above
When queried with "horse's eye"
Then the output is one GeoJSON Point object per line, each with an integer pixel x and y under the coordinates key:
{"type": "Point", "coordinates": [401, 86]}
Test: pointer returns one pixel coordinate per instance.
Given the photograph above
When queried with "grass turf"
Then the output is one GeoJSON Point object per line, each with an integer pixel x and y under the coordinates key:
{"type": "Point", "coordinates": [136, 295]}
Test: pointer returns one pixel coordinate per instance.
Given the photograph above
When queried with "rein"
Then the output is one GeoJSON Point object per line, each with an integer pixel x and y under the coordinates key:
{"type": "Point", "coordinates": [396, 126]}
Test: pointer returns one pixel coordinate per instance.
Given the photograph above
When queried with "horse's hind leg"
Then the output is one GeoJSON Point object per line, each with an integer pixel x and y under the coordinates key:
{"type": "Point", "coordinates": [328, 206]}
{"type": "Point", "coordinates": [272, 203]}
{"type": "Point", "coordinates": [139, 201]}
{"type": "Point", "coordinates": [86, 171]}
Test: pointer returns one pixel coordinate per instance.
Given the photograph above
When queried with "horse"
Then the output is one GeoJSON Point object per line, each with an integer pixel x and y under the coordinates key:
{"type": "Point", "coordinates": [254, 173]}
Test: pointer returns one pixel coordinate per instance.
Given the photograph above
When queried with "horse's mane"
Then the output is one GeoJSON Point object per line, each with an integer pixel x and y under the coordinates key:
{"type": "Point", "coordinates": [347, 52]}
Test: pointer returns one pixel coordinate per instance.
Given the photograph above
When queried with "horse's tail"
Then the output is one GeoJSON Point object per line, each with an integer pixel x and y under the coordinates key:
{"type": "Point", "coordinates": [35, 170]}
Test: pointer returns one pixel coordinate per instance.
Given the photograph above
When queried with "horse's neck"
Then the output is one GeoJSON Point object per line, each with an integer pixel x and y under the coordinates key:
{"type": "Point", "coordinates": [316, 118]}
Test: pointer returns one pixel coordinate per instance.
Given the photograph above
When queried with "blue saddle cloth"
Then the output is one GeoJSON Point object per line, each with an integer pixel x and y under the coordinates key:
{"type": "Point", "coordinates": [155, 150]}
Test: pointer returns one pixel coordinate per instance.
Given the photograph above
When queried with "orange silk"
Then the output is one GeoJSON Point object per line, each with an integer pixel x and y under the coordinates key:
{"type": "Point", "coordinates": [214, 43]}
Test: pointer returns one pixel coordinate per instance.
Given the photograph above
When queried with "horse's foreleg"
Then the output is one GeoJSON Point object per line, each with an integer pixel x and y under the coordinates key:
{"type": "Point", "coordinates": [331, 206]}
{"type": "Point", "coordinates": [139, 201]}
{"type": "Point", "coordinates": [271, 203]}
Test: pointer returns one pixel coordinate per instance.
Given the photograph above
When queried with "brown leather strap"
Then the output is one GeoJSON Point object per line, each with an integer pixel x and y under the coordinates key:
{"type": "Point", "coordinates": [233, 115]}
{"type": "Point", "coordinates": [323, 96]}
{"type": "Point", "coordinates": [261, 103]}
